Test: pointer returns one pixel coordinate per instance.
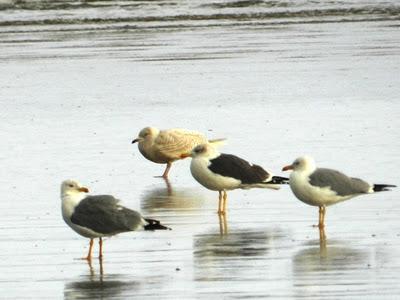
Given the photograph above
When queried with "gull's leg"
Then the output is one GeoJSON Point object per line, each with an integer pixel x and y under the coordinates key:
{"type": "Point", "coordinates": [100, 248]}
{"type": "Point", "coordinates": [165, 174]}
{"type": "Point", "coordinates": [321, 222]}
{"type": "Point", "coordinates": [225, 198]}
{"type": "Point", "coordinates": [322, 235]}
{"type": "Point", "coordinates": [219, 202]}
{"type": "Point", "coordinates": [323, 217]}
{"type": "Point", "coordinates": [223, 226]}
{"type": "Point", "coordinates": [89, 256]}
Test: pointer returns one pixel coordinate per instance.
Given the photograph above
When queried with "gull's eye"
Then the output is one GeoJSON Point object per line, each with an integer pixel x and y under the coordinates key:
{"type": "Point", "coordinates": [71, 185]}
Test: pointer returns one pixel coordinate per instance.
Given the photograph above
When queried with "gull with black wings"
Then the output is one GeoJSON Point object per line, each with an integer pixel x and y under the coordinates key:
{"type": "Point", "coordinates": [223, 172]}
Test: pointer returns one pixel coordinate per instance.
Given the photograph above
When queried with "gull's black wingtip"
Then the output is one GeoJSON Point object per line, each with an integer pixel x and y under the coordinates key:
{"type": "Point", "coordinates": [279, 180]}
{"type": "Point", "coordinates": [154, 225]}
{"type": "Point", "coordinates": [383, 187]}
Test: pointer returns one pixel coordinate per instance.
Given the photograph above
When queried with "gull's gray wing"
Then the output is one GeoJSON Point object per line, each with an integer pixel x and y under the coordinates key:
{"type": "Point", "coordinates": [104, 214]}
{"type": "Point", "coordinates": [338, 182]}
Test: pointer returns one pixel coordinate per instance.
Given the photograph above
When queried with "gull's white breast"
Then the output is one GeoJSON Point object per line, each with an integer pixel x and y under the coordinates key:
{"type": "Point", "coordinates": [201, 172]}
{"type": "Point", "coordinates": [313, 195]}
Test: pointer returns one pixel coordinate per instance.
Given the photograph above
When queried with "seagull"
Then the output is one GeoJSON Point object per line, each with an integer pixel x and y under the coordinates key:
{"type": "Point", "coordinates": [166, 146]}
{"type": "Point", "coordinates": [323, 187]}
{"type": "Point", "coordinates": [100, 215]}
{"type": "Point", "coordinates": [223, 172]}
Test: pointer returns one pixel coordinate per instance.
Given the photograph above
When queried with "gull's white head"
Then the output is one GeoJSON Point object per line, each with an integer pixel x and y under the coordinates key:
{"type": "Point", "coordinates": [72, 188]}
{"type": "Point", "coordinates": [205, 151]}
{"type": "Point", "coordinates": [303, 164]}
{"type": "Point", "coordinates": [147, 133]}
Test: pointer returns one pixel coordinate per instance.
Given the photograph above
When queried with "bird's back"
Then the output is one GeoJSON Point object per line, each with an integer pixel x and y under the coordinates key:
{"type": "Point", "coordinates": [232, 166]}
{"type": "Point", "coordinates": [338, 182]}
{"type": "Point", "coordinates": [172, 143]}
{"type": "Point", "coordinates": [104, 215]}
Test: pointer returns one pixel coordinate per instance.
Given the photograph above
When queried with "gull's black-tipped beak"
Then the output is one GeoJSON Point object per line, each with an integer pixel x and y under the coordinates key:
{"type": "Point", "coordinates": [135, 141]}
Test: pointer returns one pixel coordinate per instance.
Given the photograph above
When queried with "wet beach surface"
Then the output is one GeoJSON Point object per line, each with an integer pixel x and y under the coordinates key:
{"type": "Point", "coordinates": [279, 79]}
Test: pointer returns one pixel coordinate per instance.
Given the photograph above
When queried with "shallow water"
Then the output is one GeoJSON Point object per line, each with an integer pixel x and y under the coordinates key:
{"type": "Point", "coordinates": [79, 79]}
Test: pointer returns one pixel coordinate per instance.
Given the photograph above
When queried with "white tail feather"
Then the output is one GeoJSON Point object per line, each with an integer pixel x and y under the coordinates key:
{"type": "Point", "coordinates": [261, 185]}
{"type": "Point", "coordinates": [217, 142]}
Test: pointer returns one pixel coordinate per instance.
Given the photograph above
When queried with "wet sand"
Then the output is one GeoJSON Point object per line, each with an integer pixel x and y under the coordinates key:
{"type": "Point", "coordinates": [71, 106]}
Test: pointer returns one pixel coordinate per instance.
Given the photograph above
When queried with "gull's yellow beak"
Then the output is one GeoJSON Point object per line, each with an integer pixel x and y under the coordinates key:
{"type": "Point", "coordinates": [83, 189]}
{"type": "Point", "coordinates": [184, 155]}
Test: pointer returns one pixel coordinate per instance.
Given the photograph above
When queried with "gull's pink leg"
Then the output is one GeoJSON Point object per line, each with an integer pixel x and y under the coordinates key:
{"type": "Point", "coordinates": [89, 256]}
{"type": "Point", "coordinates": [165, 174]}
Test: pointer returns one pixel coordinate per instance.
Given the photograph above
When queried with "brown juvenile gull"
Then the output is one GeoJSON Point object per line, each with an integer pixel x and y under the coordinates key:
{"type": "Point", "coordinates": [223, 172]}
{"type": "Point", "coordinates": [323, 187]}
{"type": "Point", "coordinates": [99, 216]}
{"type": "Point", "coordinates": [167, 146]}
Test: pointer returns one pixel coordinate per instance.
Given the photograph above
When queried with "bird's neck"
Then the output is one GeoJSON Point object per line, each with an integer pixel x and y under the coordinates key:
{"type": "Point", "coordinates": [69, 201]}
{"type": "Point", "coordinates": [145, 147]}
{"type": "Point", "coordinates": [305, 172]}
{"type": "Point", "coordinates": [213, 154]}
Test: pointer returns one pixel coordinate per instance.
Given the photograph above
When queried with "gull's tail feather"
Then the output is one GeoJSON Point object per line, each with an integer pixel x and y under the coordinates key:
{"type": "Point", "coordinates": [263, 185]}
{"type": "Point", "coordinates": [154, 225]}
{"type": "Point", "coordinates": [274, 183]}
{"type": "Point", "coordinates": [218, 142]}
{"type": "Point", "coordinates": [382, 187]}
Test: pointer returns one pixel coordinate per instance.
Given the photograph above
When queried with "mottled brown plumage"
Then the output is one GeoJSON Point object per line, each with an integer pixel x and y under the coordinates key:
{"type": "Point", "coordinates": [167, 146]}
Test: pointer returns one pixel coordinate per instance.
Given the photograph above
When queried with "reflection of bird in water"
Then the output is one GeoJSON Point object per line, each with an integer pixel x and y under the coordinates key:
{"type": "Point", "coordinates": [177, 200]}
{"type": "Point", "coordinates": [168, 185]}
{"type": "Point", "coordinates": [111, 286]}
{"type": "Point", "coordinates": [323, 187]}
{"type": "Point", "coordinates": [233, 255]}
{"type": "Point", "coordinates": [223, 172]}
{"type": "Point", "coordinates": [321, 255]}
{"type": "Point", "coordinates": [104, 287]}
{"type": "Point", "coordinates": [223, 224]}
{"type": "Point", "coordinates": [330, 269]}
{"type": "Point", "coordinates": [99, 216]}
{"type": "Point", "coordinates": [253, 242]}
{"type": "Point", "coordinates": [166, 146]}
{"type": "Point", "coordinates": [91, 269]}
